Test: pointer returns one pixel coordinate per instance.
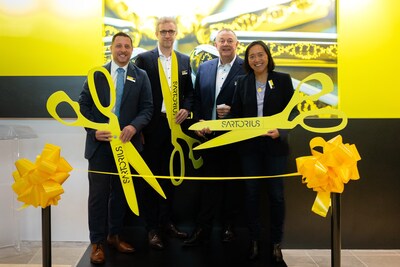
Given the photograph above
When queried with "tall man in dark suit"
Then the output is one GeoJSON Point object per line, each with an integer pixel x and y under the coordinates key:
{"type": "Point", "coordinates": [107, 204]}
{"type": "Point", "coordinates": [157, 135]}
{"type": "Point", "coordinates": [214, 89]}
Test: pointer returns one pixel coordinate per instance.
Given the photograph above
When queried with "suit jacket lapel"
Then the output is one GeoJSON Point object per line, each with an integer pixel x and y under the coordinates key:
{"type": "Point", "coordinates": [232, 73]}
{"type": "Point", "coordinates": [252, 93]}
{"type": "Point", "coordinates": [212, 77]}
{"type": "Point", "coordinates": [236, 67]}
{"type": "Point", "coordinates": [106, 87]}
{"type": "Point", "coordinates": [129, 85]}
{"type": "Point", "coordinates": [155, 55]}
{"type": "Point", "coordinates": [178, 59]}
{"type": "Point", "coordinates": [267, 88]}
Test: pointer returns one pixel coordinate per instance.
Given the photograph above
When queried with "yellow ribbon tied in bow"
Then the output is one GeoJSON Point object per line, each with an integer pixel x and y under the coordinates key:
{"type": "Point", "coordinates": [39, 183]}
{"type": "Point", "coordinates": [326, 172]}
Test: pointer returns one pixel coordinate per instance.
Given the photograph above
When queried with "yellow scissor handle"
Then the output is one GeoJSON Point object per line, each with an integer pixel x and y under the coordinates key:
{"type": "Point", "coordinates": [197, 163]}
{"type": "Point", "coordinates": [300, 120]}
{"type": "Point", "coordinates": [107, 111]}
{"type": "Point", "coordinates": [177, 149]}
{"type": "Point", "coordinates": [59, 97]}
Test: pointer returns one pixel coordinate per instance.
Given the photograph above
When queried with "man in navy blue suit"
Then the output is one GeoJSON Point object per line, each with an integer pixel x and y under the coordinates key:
{"type": "Point", "coordinates": [107, 204]}
{"type": "Point", "coordinates": [157, 135]}
{"type": "Point", "coordinates": [214, 89]}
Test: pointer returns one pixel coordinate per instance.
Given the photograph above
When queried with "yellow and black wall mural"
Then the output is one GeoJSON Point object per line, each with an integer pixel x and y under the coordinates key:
{"type": "Point", "coordinates": [52, 44]}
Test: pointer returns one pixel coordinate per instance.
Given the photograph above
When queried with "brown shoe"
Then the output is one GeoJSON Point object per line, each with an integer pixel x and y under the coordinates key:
{"type": "Point", "coordinates": [97, 255]}
{"type": "Point", "coordinates": [118, 244]}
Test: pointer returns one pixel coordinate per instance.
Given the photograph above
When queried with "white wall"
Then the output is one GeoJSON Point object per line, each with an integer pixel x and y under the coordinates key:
{"type": "Point", "coordinates": [69, 217]}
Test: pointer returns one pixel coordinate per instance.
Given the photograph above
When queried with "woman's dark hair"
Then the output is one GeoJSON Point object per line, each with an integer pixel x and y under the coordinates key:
{"type": "Point", "coordinates": [246, 65]}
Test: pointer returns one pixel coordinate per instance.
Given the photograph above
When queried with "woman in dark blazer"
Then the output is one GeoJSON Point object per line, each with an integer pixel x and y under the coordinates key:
{"type": "Point", "coordinates": [263, 92]}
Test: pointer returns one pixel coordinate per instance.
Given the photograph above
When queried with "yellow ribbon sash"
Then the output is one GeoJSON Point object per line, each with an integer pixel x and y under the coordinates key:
{"type": "Point", "coordinates": [171, 100]}
{"type": "Point", "coordinates": [39, 183]}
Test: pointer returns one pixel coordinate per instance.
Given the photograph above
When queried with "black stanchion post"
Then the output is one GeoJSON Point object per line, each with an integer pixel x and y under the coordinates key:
{"type": "Point", "coordinates": [46, 237]}
{"type": "Point", "coordinates": [335, 231]}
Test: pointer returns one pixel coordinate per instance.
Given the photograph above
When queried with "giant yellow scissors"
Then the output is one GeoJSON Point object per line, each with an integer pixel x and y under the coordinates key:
{"type": "Point", "coordinates": [246, 128]}
{"type": "Point", "coordinates": [125, 154]}
{"type": "Point", "coordinates": [171, 100]}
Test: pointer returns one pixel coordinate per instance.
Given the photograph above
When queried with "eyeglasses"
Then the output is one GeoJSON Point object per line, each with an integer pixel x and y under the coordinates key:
{"type": "Point", "coordinates": [170, 32]}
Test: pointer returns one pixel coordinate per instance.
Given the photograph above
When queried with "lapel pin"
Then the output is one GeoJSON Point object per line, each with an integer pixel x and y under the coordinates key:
{"type": "Point", "coordinates": [129, 78]}
{"type": "Point", "coordinates": [271, 84]}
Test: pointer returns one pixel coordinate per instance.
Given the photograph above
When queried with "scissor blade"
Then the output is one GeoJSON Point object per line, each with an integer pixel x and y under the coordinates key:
{"type": "Point", "coordinates": [231, 137]}
{"type": "Point", "coordinates": [141, 167]}
{"type": "Point", "coordinates": [231, 124]}
{"type": "Point", "coordinates": [132, 201]}
{"type": "Point", "coordinates": [211, 124]}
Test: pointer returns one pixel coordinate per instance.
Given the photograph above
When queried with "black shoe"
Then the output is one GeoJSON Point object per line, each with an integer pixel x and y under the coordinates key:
{"type": "Point", "coordinates": [228, 235]}
{"type": "Point", "coordinates": [198, 237]}
{"type": "Point", "coordinates": [254, 250]}
{"type": "Point", "coordinates": [155, 240]}
{"type": "Point", "coordinates": [277, 253]}
{"type": "Point", "coordinates": [172, 231]}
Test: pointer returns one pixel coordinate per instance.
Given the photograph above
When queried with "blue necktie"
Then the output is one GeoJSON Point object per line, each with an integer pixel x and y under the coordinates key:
{"type": "Point", "coordinates": [120, 89]}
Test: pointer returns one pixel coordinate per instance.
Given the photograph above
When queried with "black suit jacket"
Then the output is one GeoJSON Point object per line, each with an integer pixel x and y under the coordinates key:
{"type": "Point", "coordinates": [148, 61]}
{"type": "Point", "coordinates": [275, 100]}
{"type": "Point", "coordinates": [136, 105]}
{"type": "Point", "coordinates": [205, 87]}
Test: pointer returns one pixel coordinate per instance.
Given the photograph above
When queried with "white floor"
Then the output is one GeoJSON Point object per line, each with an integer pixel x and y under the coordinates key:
{"type": "Point", "coordinates": [64, 254]}
{"type": "Point", "coordinates": [68, 254]}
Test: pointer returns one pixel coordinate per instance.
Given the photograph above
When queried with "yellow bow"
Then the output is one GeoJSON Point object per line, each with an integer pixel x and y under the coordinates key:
{"type": "Point", "coordinates": [39, 183]}
{"type": "Point", "coordinates": [329, 170]}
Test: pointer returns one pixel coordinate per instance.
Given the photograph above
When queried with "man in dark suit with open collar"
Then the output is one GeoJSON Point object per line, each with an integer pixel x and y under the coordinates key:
{"type": "Point", "coordinates": [214, 89]}
{"type": "Point", "coordinates": [157, 135]}
{"type": "Point", "coordinates": [107, 204]}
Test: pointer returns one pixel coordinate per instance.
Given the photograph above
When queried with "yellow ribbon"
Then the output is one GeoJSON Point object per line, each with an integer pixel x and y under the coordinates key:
{"type": "Point", "coordinates": [326, 172]}
{"type": "Point", "coordinates": [39, 183]}
{"type": "Point", "coordinates": [171, 100]}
